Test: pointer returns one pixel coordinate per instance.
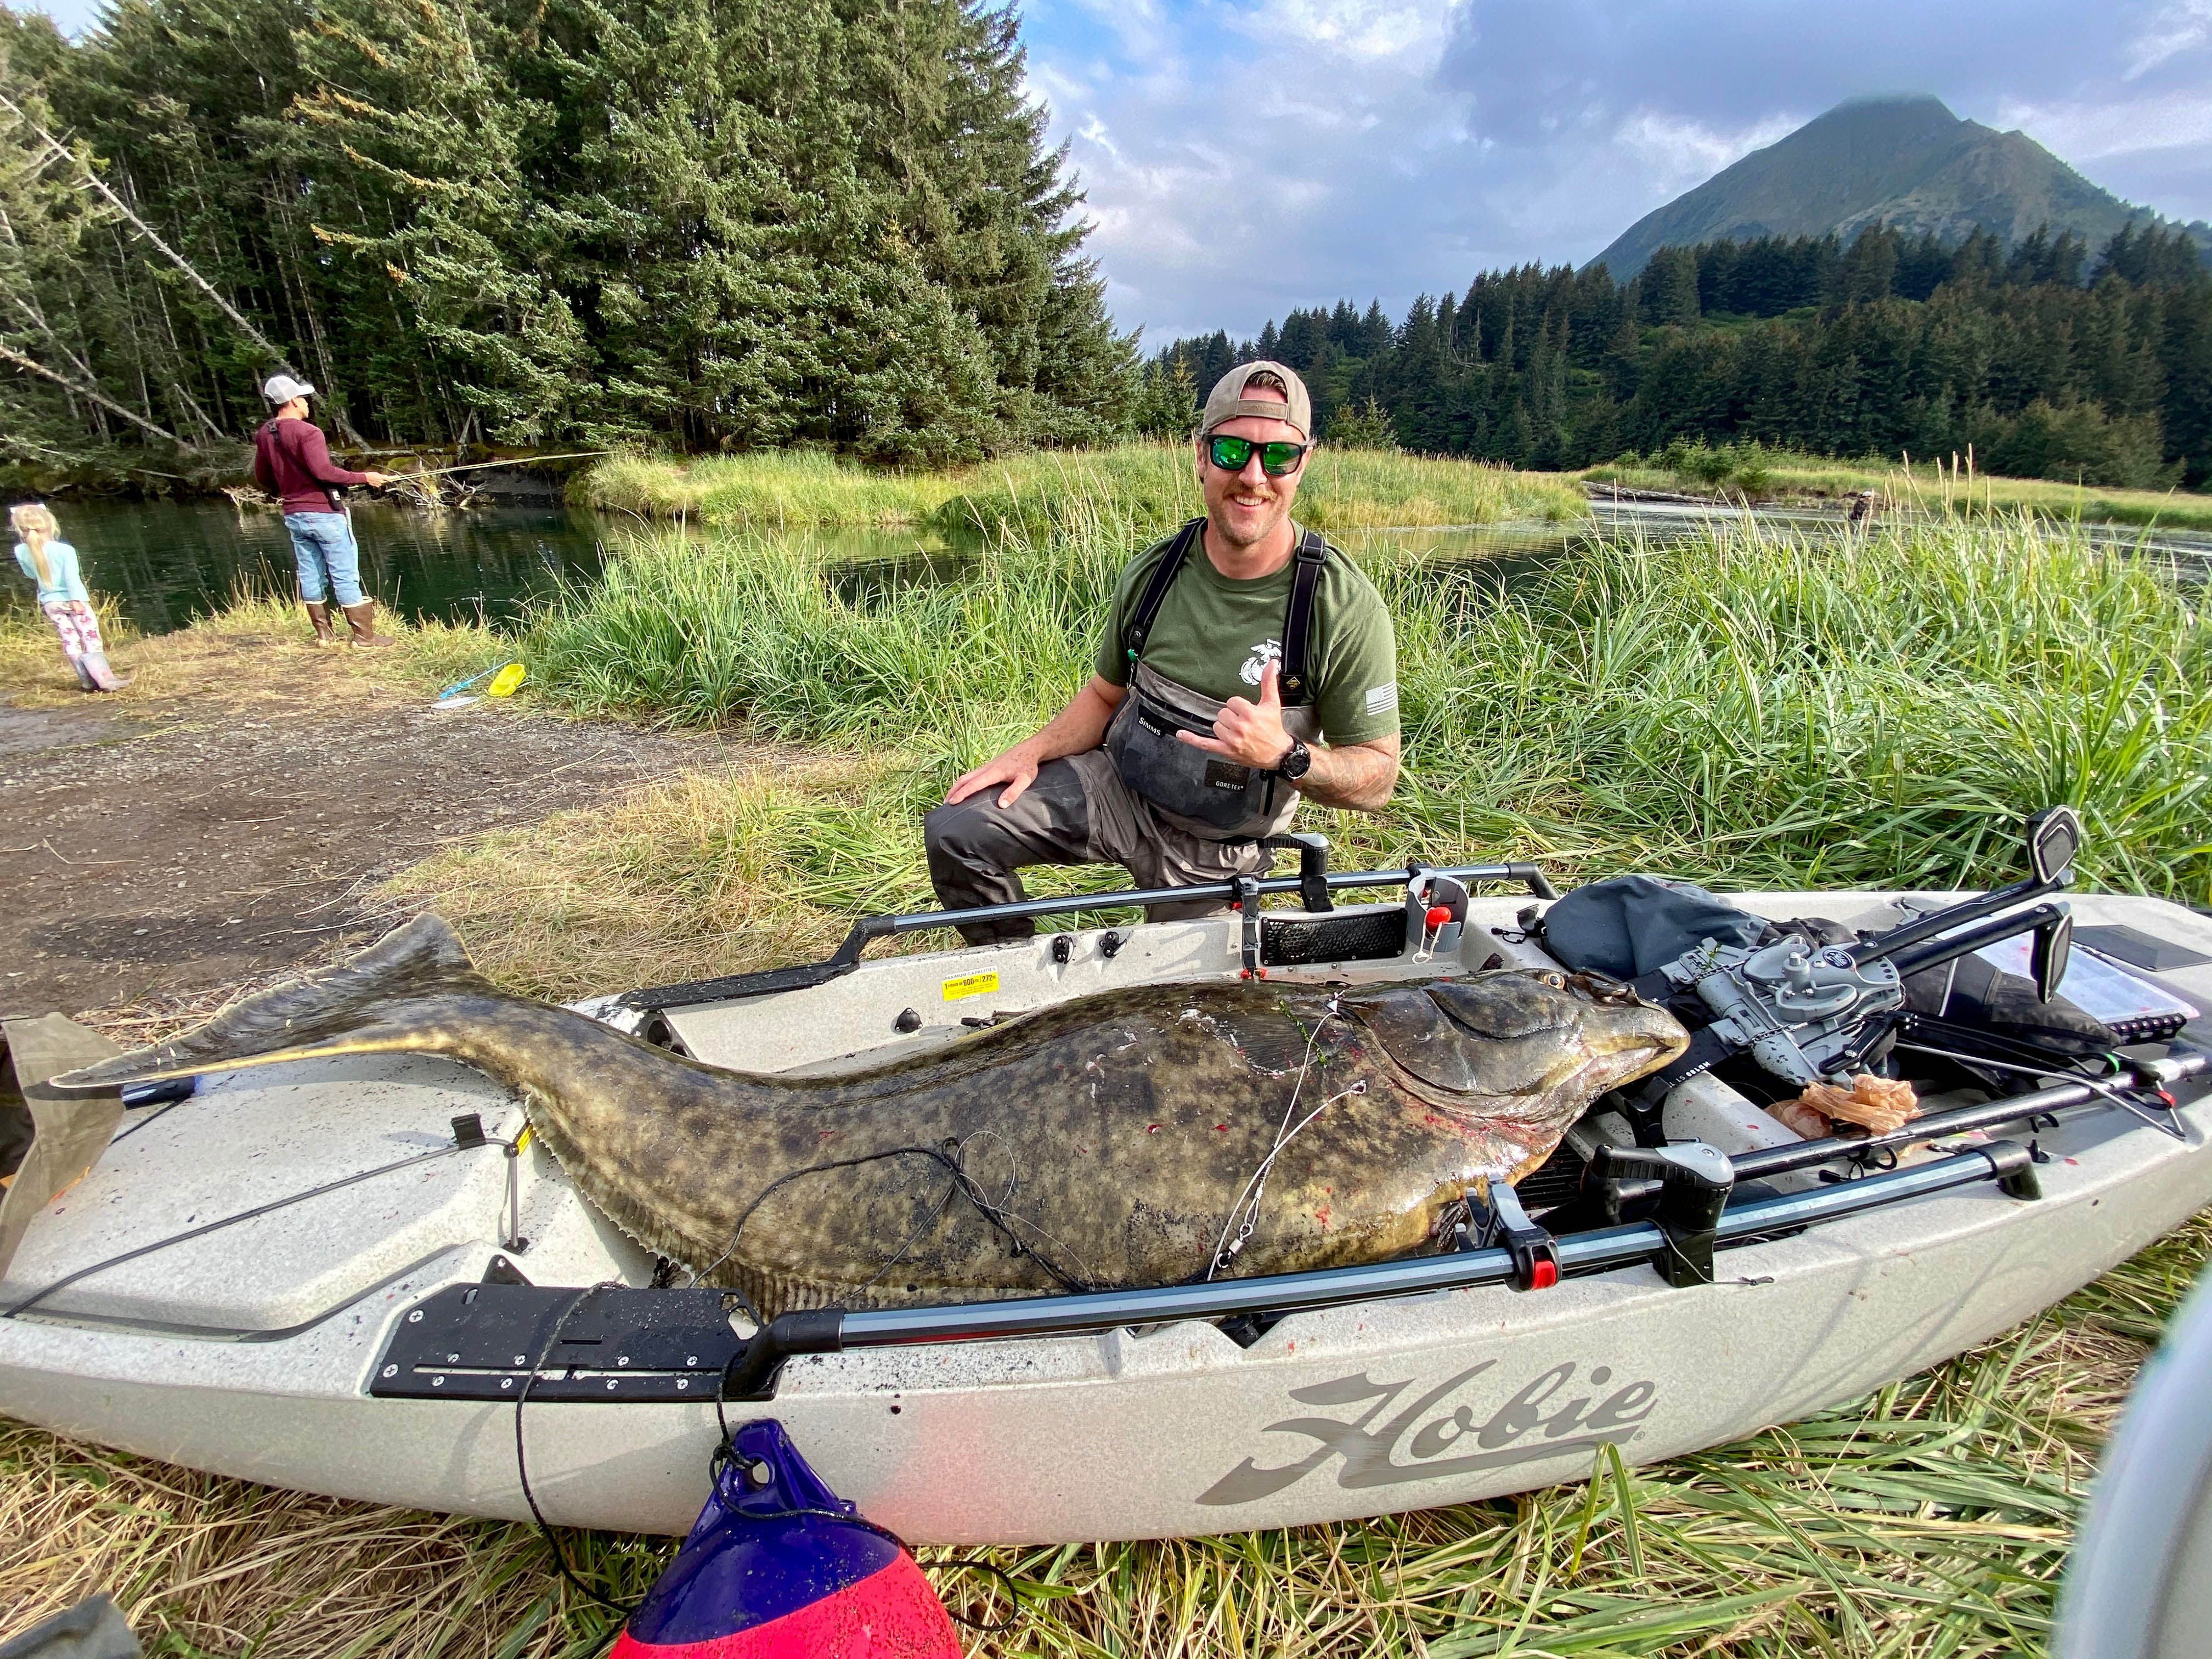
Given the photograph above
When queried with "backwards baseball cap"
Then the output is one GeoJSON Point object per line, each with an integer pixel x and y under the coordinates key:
{"type": "Point", "coordinates": [282, 388]}
{"type": "Point", "coordinates": [1228, 400]}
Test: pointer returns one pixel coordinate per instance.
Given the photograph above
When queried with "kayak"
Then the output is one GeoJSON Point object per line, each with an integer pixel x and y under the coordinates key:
{"type": "Point", "coordinates": [363, 1277]}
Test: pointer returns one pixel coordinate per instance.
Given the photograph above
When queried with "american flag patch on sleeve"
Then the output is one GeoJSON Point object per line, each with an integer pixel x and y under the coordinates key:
{"type": "Point", "coordinates": [1382, 699]}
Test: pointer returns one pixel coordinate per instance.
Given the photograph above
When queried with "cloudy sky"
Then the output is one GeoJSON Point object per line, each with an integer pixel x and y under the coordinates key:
{"type": "Point", "coordinates": [1244, 156]}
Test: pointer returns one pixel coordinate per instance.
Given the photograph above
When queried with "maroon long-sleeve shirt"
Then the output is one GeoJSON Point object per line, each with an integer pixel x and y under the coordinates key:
{"type": "Point", "coordinates": [293, 463]}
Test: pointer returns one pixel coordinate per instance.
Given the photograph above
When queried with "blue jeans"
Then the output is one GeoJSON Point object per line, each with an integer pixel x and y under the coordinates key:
{"type": "Point", "coordinates": [323, 545]}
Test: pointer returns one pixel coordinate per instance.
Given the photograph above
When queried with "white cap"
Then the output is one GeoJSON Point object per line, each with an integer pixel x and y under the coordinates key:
{"type": "Point", "coordinates": [282, 388]}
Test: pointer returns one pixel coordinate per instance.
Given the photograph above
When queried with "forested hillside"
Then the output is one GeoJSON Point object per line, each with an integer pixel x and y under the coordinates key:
{"type": "Point", "coordinates": [722, 222]}
{"type": "Point", "coordinates": [2051, 359]}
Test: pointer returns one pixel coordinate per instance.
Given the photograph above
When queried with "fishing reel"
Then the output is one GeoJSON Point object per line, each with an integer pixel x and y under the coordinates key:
{"type": "Point", "coordinates": [1799, 1010]}
{"type": "Point", "coordinates": [1807, 1011]}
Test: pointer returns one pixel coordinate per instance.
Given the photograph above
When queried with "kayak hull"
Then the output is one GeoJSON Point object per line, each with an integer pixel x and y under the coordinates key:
{"type": "Point", "coordinates": [1355, 1411]}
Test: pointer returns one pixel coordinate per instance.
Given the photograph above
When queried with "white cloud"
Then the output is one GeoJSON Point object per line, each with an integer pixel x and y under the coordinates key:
{"type": "Point", "coordinates": [2175, 29]}
{"type": "Point", "coordinates": [1366, 29]}
{"type": "Point", "coordinates": [2085, 131]}
{"type": "Point", "coordinates": [1243, 157]}
{"type": "Point", "coordinates": [1681, 152]}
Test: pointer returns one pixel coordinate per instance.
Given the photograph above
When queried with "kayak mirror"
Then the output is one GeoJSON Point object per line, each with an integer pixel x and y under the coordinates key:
{"type": "Point", "coordinates": [2054, 835]}
{"type": "Point", "coordinates": [2046, 960]}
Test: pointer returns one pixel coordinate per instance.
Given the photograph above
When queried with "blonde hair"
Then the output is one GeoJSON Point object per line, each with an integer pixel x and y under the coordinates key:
{"type": "Point", "coordinates": [34, 522]}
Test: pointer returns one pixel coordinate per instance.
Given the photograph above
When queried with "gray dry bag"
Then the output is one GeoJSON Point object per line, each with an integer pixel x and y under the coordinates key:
{"type": "Point", "coordinates": [1630, 926]}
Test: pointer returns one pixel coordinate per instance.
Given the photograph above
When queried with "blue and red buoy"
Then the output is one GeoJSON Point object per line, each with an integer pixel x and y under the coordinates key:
{"type": "Point", "coordinates": [780, 1567]}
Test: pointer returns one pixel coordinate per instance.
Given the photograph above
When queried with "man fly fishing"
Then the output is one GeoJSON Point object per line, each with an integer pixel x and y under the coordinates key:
{"type": "Point", "coordinates": [1231, 650]}
{"type": "Point", "coordinates": [293, 463]}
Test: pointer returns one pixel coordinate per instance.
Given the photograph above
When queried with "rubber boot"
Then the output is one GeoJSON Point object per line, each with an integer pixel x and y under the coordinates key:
{"type": "Point", "coordinates": [104, 679]}
{"type": "Point", "coordinates": [318, 612]}
{"type": "Point", "coordinates": [362, 619]}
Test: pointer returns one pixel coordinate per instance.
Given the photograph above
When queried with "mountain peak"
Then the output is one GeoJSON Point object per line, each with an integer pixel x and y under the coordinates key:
{"type": "Point", "coordinates": [1920, 102]}
{"type": "Point", "coordinates": [1899, 159]}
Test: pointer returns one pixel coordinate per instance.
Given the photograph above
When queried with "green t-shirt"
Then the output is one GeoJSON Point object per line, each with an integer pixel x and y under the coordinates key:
{"type": "Point", "coordinates": [1215, 635]}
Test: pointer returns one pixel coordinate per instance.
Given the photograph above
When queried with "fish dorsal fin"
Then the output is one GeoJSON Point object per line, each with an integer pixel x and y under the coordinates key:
{"type": "Point", "coordinates": [417, 958]}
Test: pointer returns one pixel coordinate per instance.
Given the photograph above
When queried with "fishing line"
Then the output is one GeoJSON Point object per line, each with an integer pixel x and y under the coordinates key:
{"type": "Point", "coordinates": [522, 1465]}
{"type": "Point", "coordinates": [2109, 1092]}
{"type": "Point", "coordinates": [1251, 1215]}
{"type": "Point", "coordinates": [1222, 1249]}
{"type": "Point", "coordinates": [913, 1233]}
{"type": "Point", "coordinates": [962, 1182]}
{"type": "Point", "coordinates": [149, 1117]}
{"type": "Point", "coordinates": [1006, 1217]}
{"type": "Point", "coordinates": [1013, 1180]}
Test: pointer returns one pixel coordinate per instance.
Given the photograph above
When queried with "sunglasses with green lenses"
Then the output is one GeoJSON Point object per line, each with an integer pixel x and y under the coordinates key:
{"type": "Point", "coordinates": [1276, 459]}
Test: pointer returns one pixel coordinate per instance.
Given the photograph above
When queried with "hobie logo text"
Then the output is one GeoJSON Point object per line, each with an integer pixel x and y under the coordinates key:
{"type": "Point", "coordinates": [1548, 1417]}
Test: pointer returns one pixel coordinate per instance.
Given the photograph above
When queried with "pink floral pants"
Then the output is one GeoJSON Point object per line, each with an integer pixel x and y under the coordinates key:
{"type": "Point", "coordinates": [79, 626]}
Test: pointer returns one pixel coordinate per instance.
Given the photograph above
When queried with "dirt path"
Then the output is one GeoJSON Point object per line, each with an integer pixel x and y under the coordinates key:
{"type": "Point", "coordinates": [150, 851]}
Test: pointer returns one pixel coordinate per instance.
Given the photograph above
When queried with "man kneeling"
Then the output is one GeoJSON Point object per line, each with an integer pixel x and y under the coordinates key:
{"type": "Point", "coordinates": [1232, 649]}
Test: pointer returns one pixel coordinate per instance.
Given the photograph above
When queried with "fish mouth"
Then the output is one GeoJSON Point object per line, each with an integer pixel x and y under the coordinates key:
{"type": "Point", "coordinates": [1638, 1055]}
{"type": "Point", "coordinates": [1516, 1047]}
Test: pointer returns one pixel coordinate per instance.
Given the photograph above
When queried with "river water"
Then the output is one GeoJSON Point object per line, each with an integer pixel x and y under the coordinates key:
{"type": "Point", "coordinates": [171, 561]}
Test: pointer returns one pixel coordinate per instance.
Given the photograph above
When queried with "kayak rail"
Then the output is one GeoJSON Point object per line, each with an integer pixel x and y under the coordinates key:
{"type": "Point", "coordinates": [753, 1375]}
{"type": "Point", "coordinates": [1315, 883]}
{"type": "Point", "coordinates": [473, 1341]}
{"type": "Point", "coordinates": [631, 1344]}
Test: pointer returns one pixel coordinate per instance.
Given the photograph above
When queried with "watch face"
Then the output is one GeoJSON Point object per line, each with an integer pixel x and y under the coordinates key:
{"type": "Point", "coordinates": [1296, 762]}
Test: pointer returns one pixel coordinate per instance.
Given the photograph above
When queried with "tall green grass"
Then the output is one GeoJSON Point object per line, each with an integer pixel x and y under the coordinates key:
{"type": "Point", "coordinates": [782, 489]}
{"type": "Point", "coordinates": [1752, 707]}
{"type": "Point", "coordinates": [1040, 491]}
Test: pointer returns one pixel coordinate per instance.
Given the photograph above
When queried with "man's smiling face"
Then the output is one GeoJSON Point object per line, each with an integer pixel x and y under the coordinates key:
{"type": "Point", "coordinates": [1244, 507]}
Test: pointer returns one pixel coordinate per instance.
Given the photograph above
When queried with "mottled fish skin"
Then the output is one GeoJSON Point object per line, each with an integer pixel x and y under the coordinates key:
{"type": "Point", "coordinates": [1103, 1142]}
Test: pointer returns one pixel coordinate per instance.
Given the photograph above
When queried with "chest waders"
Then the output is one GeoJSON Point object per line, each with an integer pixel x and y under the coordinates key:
{"type": "Point", "coordinates": [1200, 793]}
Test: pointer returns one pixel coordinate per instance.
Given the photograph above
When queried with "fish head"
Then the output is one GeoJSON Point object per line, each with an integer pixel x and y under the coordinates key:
{"type": "Point", "coordinates": [1535, 1046]}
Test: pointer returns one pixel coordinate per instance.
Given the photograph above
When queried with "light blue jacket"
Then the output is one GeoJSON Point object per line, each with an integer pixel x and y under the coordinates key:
{"type": "Point", "coordinates": [69, 580]}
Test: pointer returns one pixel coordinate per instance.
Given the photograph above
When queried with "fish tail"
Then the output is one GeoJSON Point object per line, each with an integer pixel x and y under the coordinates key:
{"type": "Point", "coordinates": [356, 1006]}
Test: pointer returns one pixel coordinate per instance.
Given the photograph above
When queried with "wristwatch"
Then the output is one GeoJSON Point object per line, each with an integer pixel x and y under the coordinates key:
{"type": "Point", "coordinates": [1293, 766]}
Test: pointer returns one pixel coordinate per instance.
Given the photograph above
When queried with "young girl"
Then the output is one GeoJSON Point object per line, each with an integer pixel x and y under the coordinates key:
{"type": "Point", "coordinates": [52, 562]}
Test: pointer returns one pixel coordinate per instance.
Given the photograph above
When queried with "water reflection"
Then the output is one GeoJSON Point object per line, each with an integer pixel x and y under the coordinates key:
{"type": "Point", "coordinates": [170, 561]}
{"type": "Point", "coordinates": [867, 579]}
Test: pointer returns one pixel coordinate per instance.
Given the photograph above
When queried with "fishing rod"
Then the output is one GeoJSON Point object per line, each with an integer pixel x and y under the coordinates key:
{"type": "Point", "coordinates": [520, 460]}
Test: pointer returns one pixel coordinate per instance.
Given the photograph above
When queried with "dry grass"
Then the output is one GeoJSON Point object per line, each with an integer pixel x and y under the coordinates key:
{"type": "Point", "coordinates": [259, 647]}
{"type": "Point", "coordinates": [682, 880]}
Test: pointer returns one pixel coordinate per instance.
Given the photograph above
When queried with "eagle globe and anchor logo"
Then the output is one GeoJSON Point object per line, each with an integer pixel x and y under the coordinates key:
{"type": "Point", "coordinates": [1549, 1416]}
{"type": "Point", "coordinates": [1255, 663]}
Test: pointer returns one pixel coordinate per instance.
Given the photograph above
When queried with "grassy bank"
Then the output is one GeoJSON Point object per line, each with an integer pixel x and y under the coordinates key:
{"type": "Point", "coordinates": [1759, 475]}
{"type": "Point", "coordinates": [1752, 707]}
{"type": "Point", "coordinates": [1151, 483]}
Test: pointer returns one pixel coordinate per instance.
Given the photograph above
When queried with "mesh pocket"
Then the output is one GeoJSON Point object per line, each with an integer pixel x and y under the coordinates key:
{"type": "Point", "coordinates": [1365, 933]}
